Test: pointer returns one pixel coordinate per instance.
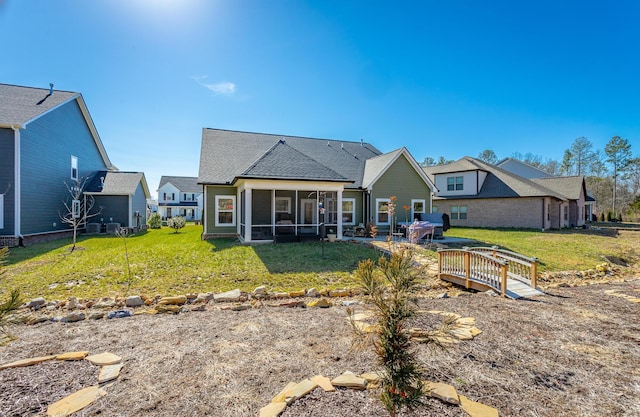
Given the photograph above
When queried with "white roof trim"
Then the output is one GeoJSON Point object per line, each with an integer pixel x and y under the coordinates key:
{"type": "Point", "coordinates": [414, 164]}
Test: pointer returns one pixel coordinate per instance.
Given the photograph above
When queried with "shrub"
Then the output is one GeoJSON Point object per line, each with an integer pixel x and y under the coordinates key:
{"type": "Point", "coordinates": [601, 217]}
{"type": "Point", "coordinates": [155, 221]}
{"type": "Point", "coordinates": [388, 287]}
{"type": "Point", "coordinates": [609, 215]}
{"type": "Point", "coordinates": [176, 223]}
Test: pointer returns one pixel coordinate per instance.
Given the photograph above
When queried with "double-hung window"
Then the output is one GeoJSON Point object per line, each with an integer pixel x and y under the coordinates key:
{"type": "Point", "coordinates": [74, 168]}
{"type": "Point", "coordinates": [417, 207]}
{"type": "Point", "coordinates": [454, 183]}
{"type": "Point", "coordinates": [382, 211]}
{"type": "Point", "coordinates": [458, 212]}
{"type": "Point", "coordinates": [225, 210]}
{"type": "Point", "coordinates": [348, 211]}
{"type": "Point", "coordinates": [75, 209]}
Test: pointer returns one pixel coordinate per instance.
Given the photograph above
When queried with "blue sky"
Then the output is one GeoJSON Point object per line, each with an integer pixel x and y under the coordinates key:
{"type": "Point", "coordinates": [443, 78]}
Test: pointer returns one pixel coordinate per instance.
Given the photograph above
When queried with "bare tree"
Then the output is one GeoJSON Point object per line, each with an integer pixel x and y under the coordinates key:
{"type": "Point", "coordinates": [78, 207]}
{"type": "Point", "coordinates": [428, 161]}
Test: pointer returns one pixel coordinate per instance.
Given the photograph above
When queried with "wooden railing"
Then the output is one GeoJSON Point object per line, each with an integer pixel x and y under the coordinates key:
{"type": "Point", "coordinates": [473, 269]}
{"type": "Point", "coordinates": [520, 267]}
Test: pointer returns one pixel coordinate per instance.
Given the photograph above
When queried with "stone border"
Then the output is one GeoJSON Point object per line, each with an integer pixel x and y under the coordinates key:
{"type": "Point", "coordinates": [110, 366]}
{"type": "Point", "coordinates": [370, 380]}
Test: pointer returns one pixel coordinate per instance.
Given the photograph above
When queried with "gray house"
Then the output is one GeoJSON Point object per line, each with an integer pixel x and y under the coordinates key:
{"type": "Point", "coordinates": [265, 187]}
{"type": "Point", "coordinates": [47, 140]}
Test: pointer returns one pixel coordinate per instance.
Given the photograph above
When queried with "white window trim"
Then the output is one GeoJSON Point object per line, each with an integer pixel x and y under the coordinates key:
{"type": "Point", "coordinates": [378, 201]}
{"type": "Point", "coordinates": [413, 206]}
{"type": "Point", "coordinates": [74, 165]}
{"type": "Point", "coordinates": [75, 209]}
{"type": "Point", "coordinates": [1, 211]}
{"type": "Point", "coordinates": [233, 212]}
{"type": "Point", "coordinates": [353, 210]}
{"type": "Point", "coordinates": [288, 200]}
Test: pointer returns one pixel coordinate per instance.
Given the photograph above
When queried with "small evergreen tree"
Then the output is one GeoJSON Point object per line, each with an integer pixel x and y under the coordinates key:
{"type": "Point", "coordinates": [609, 215]}
{"type": "Point", "coordinates": [388, 287]}
{"type": "Point", "coordinates": [155, 221]}
{"type": "Point", "coordinates": [176, 223]}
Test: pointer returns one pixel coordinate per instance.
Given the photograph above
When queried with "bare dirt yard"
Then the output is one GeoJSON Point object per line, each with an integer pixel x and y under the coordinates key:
{"type": "Point", "coordinates": [572, 352]}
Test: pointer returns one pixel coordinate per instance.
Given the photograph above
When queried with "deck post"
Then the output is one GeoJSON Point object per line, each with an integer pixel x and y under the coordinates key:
{"type": "Point", "coordinates": [439, 263]}
{"type": "Point", "coordinates": [467, 268]}
{"type": "Point", "coordinates": [534, 272]}
{"type": "Point", "coordinates": [503, 272]}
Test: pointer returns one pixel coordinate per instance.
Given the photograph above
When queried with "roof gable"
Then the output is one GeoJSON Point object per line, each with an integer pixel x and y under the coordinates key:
{"type": "Point", "coordinates": [117, 183]}
{"type": "Point", "coordinates": [284, 162]}
{"type": "Point", "coordinates": [375, 167]}
{"type": "Point", "coordinates": [571, 188]}
{"type": "Point", "coordinates": [183, 184]}
{"type": "Point", "coordinates": [522, 168]}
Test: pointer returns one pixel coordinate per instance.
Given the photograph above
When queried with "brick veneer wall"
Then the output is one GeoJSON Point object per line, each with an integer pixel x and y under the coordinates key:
{"type": "Point", "coordinates": [497, 212]}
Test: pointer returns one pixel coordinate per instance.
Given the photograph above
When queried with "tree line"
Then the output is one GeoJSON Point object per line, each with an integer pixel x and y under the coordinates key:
{"type": "Point", "coordinates": [612, 175]}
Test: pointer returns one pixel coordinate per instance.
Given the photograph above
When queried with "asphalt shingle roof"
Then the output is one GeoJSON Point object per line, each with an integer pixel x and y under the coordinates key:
{"type": "Point", "coordinates": [115, 183]}
{"type": "Point", "coordinates": [184, 184]}
{"type": "Point", "coordinates": [19, 105]}
{"type": "Point", "coordinates": [569, 187]}
{"type": "Point", "coordinates": [228, 155]}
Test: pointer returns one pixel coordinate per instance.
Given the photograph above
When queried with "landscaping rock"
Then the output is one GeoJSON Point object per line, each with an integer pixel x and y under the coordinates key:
{"type": "Point", "coordinates": [118, 314]}
{"type": "Point", "coordinates": [350, 303]}
{"type": "Point", "coordinates": [300, 390]}
{"type": "Point", "coordinates": [241, 307]}
{"type": "Point", "coordinates": [105, 358]}
{"type": "Point", "coordinates": [38, 319]}
{"type": "Point", "coordinates": [443, 392]}
{"type": "Point", "coordinates": [476, 409]}
{"type": "Point", "coordinates": [233, 295]}
{"type": "Point", "coordinates": [273, 409]}
{"type": "Point", "coordinates": [105, 303]}
{"type": "Point", "coordinates": [300, 293]}
{"type": "Point", "coordinates": [75, 402]}
{"type": "Point", "coordinates": [36, 303]}
{"type": "Point", "coordinates": [339, 293]}
{"type": "Point", "coordinates": [170, 309]}
{"type": "Point", "coordinates": [97, 315]}
{"type": "Point", "coordinates": [322, 303]}
{"type": "Point", "coordinates": [201, 307]}
{"type": "Point", "coordinates": [203, 298]}
{"type": "Point", "coordinates": [312, 292]}
{"type": "Point", "coordinates": [281, 295]}
{"type": "Point", "coordinates": [349, 380]}
{"type": "Point", "coordinates": [72, 356]}
{"type": "Point", "coordinates": [27, 362]}
{"type": "Point", "coordinates": [72, 303]}
{"type": "Point", "coordinates": [261, 290]}
{"type": "Point", "coordinates": [178, 300]}
{"type": "Point", "coordinates": [73, 317]}
{"type": "Point", "coordinates": [134, 301]}
{"type": "Point", "coordinates": [323, 382]}
{"type": "Point", "coordinates": [109, 373]}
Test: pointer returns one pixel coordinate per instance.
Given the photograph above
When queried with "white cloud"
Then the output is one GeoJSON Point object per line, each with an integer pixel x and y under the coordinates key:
{"type": "Point", "coordinates": [224, 87]}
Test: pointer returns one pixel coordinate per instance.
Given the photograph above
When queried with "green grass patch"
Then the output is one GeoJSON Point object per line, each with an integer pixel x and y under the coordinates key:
{"type": "Point", "coordinates": [163, 262]}
{"type": "Point", "coordinates": [557, 250]}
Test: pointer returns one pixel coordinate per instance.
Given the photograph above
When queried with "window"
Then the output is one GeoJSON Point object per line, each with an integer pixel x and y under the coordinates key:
{"type": "Point", "coordinates": [382, 211]}
{"type": "Point", "coordinates": [458, 212]}
{"type": "Point", "coordinates": [348, 211]}
{"type": "Point", "coordinates": [74, 168]}
{"type": "Point", "coordinates": [75, 209]}
{"type": "Point", "coordinates": [548, 212]}
{"type": "Point", "coordinates": [1, 211]}
{"type": "Point", "coordinates": [417, 206]}
{"type": "Point", "coordinates": [283, 205]}
{"type": "Point", "coordinates": [566, 212]}
{"type": "Point", "coordinates": [225, 210]}
{"type": "Point", "coordinates": [454, 183]}
{"type": "Point", "coordinates": [434, 209]}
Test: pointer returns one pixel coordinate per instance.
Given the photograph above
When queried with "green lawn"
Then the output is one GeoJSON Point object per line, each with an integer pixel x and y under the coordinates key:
{"type": "Point", "coordinates": [166, 263]}
{"type": "Point", "coordinates": [558, 250]}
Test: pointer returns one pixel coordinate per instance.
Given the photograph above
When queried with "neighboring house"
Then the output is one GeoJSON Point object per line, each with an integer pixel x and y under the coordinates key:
{"type": "Point", "coordinates": [180, 196]}
{"type": "Point", "coordinates": [477, 194]}
{"type": "Point", "coordinates": [264, 187]}
{"type": "Point", "coordinates": [152, 206]}
{"type": "Point", "coordinates": [121, 198]}
{"type": "Point", "coordinates": [47, 139]}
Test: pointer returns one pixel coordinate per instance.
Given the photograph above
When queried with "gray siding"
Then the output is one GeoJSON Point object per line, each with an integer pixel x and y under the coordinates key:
{"type": "Point", "coordinates": [115, 209]}
{"type": "Point", "coordinates": [210, 204]}
{"type": "Point", "coordinates": [47, 145]}
{"type": "Point", "coordinates": [7, 178]}
{"type": "Point", "coordinates": [139, 204]}
{"type": "Point", "coordinates": [359, 209]}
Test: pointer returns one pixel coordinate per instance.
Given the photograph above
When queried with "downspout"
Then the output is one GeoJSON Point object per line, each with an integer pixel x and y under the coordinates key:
{"type": "Point", "coordinates": [17, 227]}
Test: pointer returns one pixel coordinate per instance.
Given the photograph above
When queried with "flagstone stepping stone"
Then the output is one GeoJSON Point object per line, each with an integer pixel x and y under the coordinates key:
{"type": "Point", "coordinates": [105, 358]}
{"type": "Point", "coordinates": [280, 397]}
{"type": "Point", "coordinates": [27, 362]}
{"type": "Point", "coordinates": [72, 356]}
{"type": "Point", "coordinates": [349, 380]}
{"type": "Point", "coordinates": [476, 409]}
{"type": "Point", "coordinates": [109, 373]}
{"type": "Point", "coordinates": [300, 390]}
{"type": "Point", "coordinates": [443, 392]}
{"type": "Point", "coordinates": [178, 300]}
{"type": "Point", "coordinates": [322, 303]}
{"type": "Point", "coordinates": [273, 409]}
{"type": "Point", "coordinates": [323, 382]}
{"type": "Point", "coordinates": [233, 295]}
{"type": "Point", "coordinates": [75, 402]}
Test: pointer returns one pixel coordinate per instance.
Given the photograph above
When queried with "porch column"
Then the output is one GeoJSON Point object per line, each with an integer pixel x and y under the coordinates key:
{"type": "Point", "coordinates": [247, 215]}
{"type": "Point", "coordinates": [339, 219]}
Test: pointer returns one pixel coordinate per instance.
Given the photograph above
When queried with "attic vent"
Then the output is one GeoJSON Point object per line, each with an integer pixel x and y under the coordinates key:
{"type": "Point", "coordinates": [362, 142]}
{"type": "Point", "coordinates": [342, 146]}
{"type": "Point", "coordinates": [50, 88]}
{"type": "Point", "coordinates": [328, 144]}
